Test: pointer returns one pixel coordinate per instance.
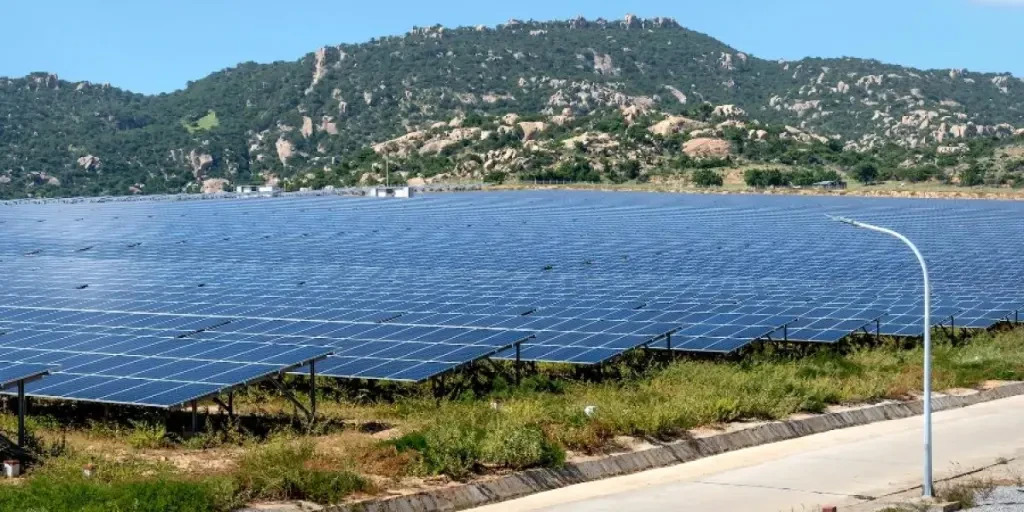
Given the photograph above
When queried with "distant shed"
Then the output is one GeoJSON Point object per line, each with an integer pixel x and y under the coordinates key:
{"type": "Point", "coordinates": [396, 192]}
{"type": "Point", "coordinates": [831, 185]}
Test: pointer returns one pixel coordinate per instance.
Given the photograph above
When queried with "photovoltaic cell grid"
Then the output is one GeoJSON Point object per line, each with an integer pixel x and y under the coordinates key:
{"type": "Point", "coordinates": [13, 373]}
{"type": "Point", "coordinates": [134, 369]}
{"type": "Point", "coordinates": [404, 290]}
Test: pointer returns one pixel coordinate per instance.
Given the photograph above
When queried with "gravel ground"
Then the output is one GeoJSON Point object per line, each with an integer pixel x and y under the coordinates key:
{"type": "Point", "coordinates": [1002, 499]}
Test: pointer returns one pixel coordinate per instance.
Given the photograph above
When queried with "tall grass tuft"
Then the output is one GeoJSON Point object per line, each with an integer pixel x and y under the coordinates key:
{"type": "Point", "coordinates": [290, 469]}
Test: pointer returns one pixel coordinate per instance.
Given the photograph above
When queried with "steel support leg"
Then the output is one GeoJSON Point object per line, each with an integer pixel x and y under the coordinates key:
{"type": "Point", "coordinates": [519, 365]}
{"type": "Point", "coordinates": [312, 390]}
{"type": "Point", "coordinates": [21, 413]}
{"type": "Point", "coordinates": [231, 404]}
{"type": "Point", "coordinates": [195, 417]}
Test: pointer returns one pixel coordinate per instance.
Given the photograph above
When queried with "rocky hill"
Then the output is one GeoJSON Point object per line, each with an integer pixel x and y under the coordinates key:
{"type": "Point", "coordinates": [580, 99]}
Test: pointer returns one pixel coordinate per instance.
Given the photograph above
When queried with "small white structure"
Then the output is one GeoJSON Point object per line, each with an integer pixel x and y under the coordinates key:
{"type": "Point", "coordinates": [12, 468]}
{"type": "Point", "coordinates": [399, 192]}
{"type": "Point", "coordinates": [270, 191]}
{"type": "Point", "coordinates": [258, 190]}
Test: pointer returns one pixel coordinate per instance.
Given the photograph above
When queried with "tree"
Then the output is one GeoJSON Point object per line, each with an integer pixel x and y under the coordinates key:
{"type": "Point", "coordinates": [865, 172]}
{"type": "Point", "coordinates": [972, 176]}
{"type": "Point", "coordinates": [495, 177]}
{"type": "Point", "coordinates": [764, 178]}
{"type": "Point", "coordinates": [628, 169]}
{"type": "Point", "coordinates": [707, 178]}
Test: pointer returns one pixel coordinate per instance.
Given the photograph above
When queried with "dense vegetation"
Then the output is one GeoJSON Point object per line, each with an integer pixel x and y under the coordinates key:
{"type": "Point", "coordinates": [263, 121]}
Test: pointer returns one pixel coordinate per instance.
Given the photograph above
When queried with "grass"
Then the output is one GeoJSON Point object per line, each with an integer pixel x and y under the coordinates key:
{"type": "Point", "coordinates": [372, 436]}
{"type": "Point", "coordinates": [666, 402]}
{"type": "Point", "coordinates": [282, 469]}
{"type": "Point", "coordinates": [288, 469]}
{"type": "Point", "coordinates": [58, 486]}
{"type": "Point", "coordinates": [203, 124]}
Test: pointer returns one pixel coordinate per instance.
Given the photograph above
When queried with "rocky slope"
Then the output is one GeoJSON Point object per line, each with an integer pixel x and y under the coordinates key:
{"type": "Point", "coordinates": [435, 92]}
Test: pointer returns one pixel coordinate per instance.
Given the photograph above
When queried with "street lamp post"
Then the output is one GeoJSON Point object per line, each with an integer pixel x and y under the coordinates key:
{"type": "Point", "coordinates": [928, 491]}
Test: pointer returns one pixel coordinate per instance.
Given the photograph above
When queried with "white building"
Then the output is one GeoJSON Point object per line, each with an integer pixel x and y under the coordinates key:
{"type": "Point", "coordinates": [400, 192]}
{"type": "Point", "coordinates": [258, 190]}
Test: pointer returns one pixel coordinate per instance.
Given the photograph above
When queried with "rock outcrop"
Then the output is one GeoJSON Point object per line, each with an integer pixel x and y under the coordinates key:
{"type": "Point", "coordinates": [603, 64]}
{"type": "Point", "coordinates": [89, 162]}
{"type": "Point", "coordinates": [677, 94]}
{"type": "Point", "coordinates": [200, 163]}
{"type": "Point", "coordinates": [328, 125]}
{"type": "Point", "coordinates": [285, 150]}
{"type": "Point", "coordinates": [319, 69]}
{"type": "Point", "coordinates": [675, 124]}
{"type": "Point", "coordinates": [707, 148]}
{"type": "Point", "coordinates": [214, 185]}
{"type": "Point", "coordinates": [728, 111]}
{"type": "Point", "coordinates": [532, 129]}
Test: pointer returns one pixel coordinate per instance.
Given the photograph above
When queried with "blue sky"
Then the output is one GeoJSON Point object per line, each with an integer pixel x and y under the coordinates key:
{"type": "Point", "coordinates": [158, 45]}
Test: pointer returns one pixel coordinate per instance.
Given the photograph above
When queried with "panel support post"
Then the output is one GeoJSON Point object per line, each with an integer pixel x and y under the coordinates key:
{"type": "Point", "coordinates": [291, 398]}
{"type": "Point", "coordinates": [952, 328]}
{"type": "Point", "coordinates": [231, 404]}
{"type": "Point", "coordinates": [21, 413]}
{"type": "Point", "coordinates": [312, 391]}
{"type": "Point", "coordinates": [519, 364]}
{"type": "Point", "coordinates": [878, 330]}
{"type": "Point", "coordinates": [195, 417]}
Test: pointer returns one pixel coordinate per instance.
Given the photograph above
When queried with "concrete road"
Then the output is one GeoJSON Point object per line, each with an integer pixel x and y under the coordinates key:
{"type": "Point", "coordinates": [842, 467]}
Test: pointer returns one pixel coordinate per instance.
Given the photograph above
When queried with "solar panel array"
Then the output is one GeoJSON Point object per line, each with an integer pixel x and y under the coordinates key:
{"type": "Point", "coordinates": [408, 289]}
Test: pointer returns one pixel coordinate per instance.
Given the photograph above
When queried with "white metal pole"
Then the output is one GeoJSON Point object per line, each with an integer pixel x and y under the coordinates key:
{"type": "Point", "coordinates": [928, 491]}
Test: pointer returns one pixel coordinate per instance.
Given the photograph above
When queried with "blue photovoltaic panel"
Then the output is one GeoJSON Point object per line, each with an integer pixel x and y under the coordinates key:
{"type": "Point", "coordinates": [405, 290]}
{"type": "Point", "coordinates": [12, 373]}
{"type": "Point", "coordinates": [151, 372]}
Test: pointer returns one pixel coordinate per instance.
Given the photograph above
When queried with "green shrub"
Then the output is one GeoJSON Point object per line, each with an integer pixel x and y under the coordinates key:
{"type": "Point", "coordinates": [67, 493]}
{"type": "Point", "coordinates": [283, 470]}
{"type": "Point", "coordinates": [413, 441]}
{"type": "Point", "coordinates": [453, 448]}
{"type": "Point", "coordinates": [764, 178]}
{"type": "Point", "coordinates": [495, 177]}
{"type": "Point", "coordinates": [707, 178]}
{"type": "Point", "coordinates": [148, 435]}
{"type": "Point", "coordinates": [519, 446]}
{"type": "Point", "coordinates": [973, 176]}
{"type": "Point", "coordinates": [866, 172]}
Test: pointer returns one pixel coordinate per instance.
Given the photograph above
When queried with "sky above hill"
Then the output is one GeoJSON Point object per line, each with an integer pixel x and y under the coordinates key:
{"type": "Point", "coordinates": [157, 46]}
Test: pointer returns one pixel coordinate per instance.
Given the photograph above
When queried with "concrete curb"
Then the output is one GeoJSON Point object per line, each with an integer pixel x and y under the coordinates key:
{"type": "Point", "coordinates": [533, 481]}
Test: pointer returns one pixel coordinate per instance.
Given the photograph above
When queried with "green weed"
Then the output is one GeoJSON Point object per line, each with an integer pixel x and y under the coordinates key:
{"type": "Point", "coordinates": [285, 469]}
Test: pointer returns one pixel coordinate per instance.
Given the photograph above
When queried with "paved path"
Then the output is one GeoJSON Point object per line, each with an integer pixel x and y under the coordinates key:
{"type": "Point", "coordinates": [842, 467]}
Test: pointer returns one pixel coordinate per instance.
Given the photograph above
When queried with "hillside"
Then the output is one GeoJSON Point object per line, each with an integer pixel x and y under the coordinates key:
{"type": "Point", "coordinates": [583, 100]}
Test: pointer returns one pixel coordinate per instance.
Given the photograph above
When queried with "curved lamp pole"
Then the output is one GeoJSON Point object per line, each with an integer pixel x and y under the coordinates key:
{"type": "Point", "coordinates": [928, 491]}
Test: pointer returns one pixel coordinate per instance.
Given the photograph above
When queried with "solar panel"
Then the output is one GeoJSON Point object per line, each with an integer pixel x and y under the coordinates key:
{"type": "Point", "coordinates": [406, 290]}
{"type": "Point", "coordinates": [13, 373]}
{"type": "Point", "coordinates": [150, 372]}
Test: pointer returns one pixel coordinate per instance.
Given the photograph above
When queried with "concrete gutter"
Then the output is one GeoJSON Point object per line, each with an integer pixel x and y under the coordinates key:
{"type": "Point", "coordinates": [476, 494]}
